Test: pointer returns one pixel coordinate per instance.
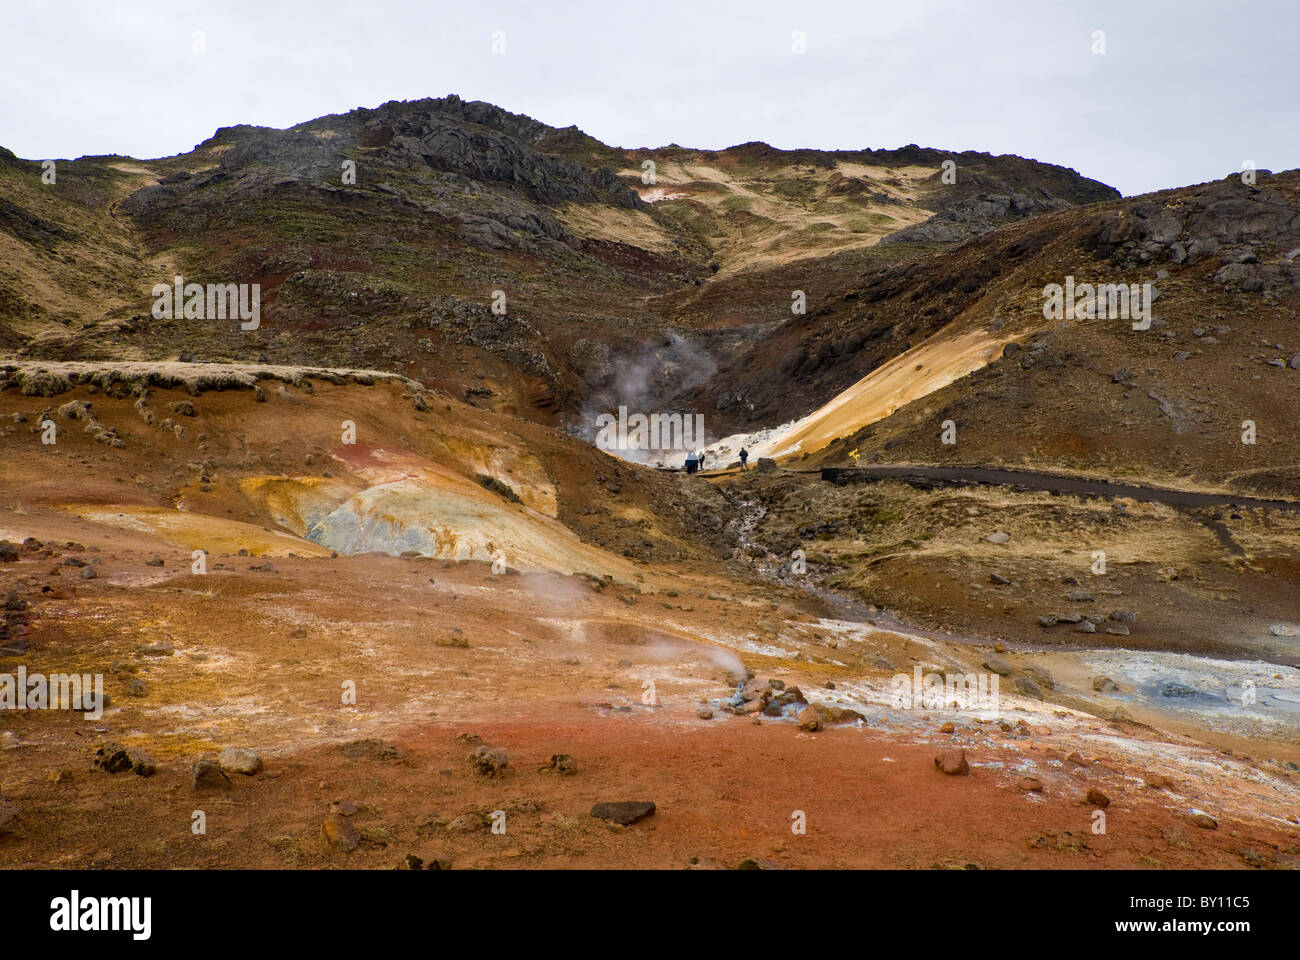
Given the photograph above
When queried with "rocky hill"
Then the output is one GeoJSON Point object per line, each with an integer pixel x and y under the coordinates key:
{"type": "Point", "coordinates": [379, 236]}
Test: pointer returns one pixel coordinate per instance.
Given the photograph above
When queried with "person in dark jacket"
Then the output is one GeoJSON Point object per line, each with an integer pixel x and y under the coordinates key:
{"type": "Point", "coordinates": [744, 457]}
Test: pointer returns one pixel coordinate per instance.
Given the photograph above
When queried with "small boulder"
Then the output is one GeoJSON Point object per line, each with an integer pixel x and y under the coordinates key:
{"type": "Point", "coordinates": [952, 762]}
{"type": "Point", "coordinates": [810, 719]}
{"type": "Point", "coordinates": [112, 758]}
{"type": "Point", "coordinates": [563, 763]}
{"type": "Point", "coordinates": [1096, 798]}
{"type": "Point", "coordinates": [489, 761]}
{"type": "Point", "coordinates": [208, 775]}
{"type": "Point", "coordinates": [135, 687]}
{"type": "Point", "coordinates": [339, 834]}
{"type": "Point", "coordinates": [1041, 677]}
{"type": "Point", "coordinates": [623, 812]}
{"type": "Point", "coordinates": [239, 760]}
{"type": "Point", "coordinates": [998, 666]}
{"type": "Point", "coordinates": [1030, 784]}
{"type": "Point", "coordinates": [1027, 688]}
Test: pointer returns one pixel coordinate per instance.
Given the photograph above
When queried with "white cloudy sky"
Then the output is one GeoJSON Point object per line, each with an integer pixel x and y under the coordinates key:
{"type": "Point", "coordinates": [1187, 90]}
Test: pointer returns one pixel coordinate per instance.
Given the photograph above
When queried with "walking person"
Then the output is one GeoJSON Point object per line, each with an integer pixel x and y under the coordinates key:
{"type": "Point", "coordinates": [744, 458]}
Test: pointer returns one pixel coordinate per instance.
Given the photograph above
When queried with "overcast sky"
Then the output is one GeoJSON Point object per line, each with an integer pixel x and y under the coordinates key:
{"type": "Point", "coordinates": [1186, 90]}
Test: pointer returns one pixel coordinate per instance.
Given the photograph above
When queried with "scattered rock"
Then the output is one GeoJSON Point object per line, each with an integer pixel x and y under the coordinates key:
{"type": "Point", "coordinates": [1085, 626]}
{"type": "Point", "coordinates": [998, 666]}
{"type": "Point", "coordinates": [489, 761]}
{"type": "Point", "coordinates": [1096, 798]}
{"type": "Point", "coordinates": [135, 687]}
{"type": "Point", "coordinates": [1117, 630]}
{"type": "Point", "coordinates": [1172, 688]}
{"type": "Point", "coordinates": [1080, 596]}
{"type": "Point", "coordinates": [998, 536]}
{"type": "Point", "coordinates": [1040, 676]}
{"type": "Point", "coordinates": [1030, 784]}
{"type": "Point", "coordinates": [810, 719]}
{"type": "Point", "coordinates": [1123, 616]}
{"type": "Point", "coordinates": [948, 727]}
{"type": "Point", "coordinates": [623, 812]}
{"type": "Point", "coordinates": [160, 649]}
{"type": "Point", "coordinates": [766, 465]}
{"type": "Point", "coordinates": [208, 775]}
{"type": "Point", "coordinates": [563, 763]}
{"type": "Point", "coordinates": [1203, 820]}
{"type": "Point", "coordinates": [112, 758]}
{"type": "Point", "coordinates": [1104, 685]}
{"type": "Point", "coordinates": [1027, 688]}
{"type": "Point", "coordinates": [704, 713]}
{"type": "Point", "coordinates": [8, 552]}
{"type": "Point", "coordinates": [467, 823]}
{"type": "Point", "coordinates": [1048, 620]}
{"type": "Point", "coordinates": [339, 834]}
{"type": "Point", "coordinates": [952, 762]}
{"type": "Point", "coordinates": [239, 760]}
{"type": "Point", "coordinates": [998, 579]}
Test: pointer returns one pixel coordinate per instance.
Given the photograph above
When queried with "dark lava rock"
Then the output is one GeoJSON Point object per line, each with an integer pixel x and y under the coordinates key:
{"type": "Point", "coordinates": [1172, 688]}
{"type": "Point", "coordinates": [563, 763]}
{"type": "Point", "coordinates": [208, 775]}
{"type": "Point", "coordinates": [112, 758]}
{"type": "Point", "coordinates": [489, 761]}
{"type": "Point", "coordinates": [623, 811]}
